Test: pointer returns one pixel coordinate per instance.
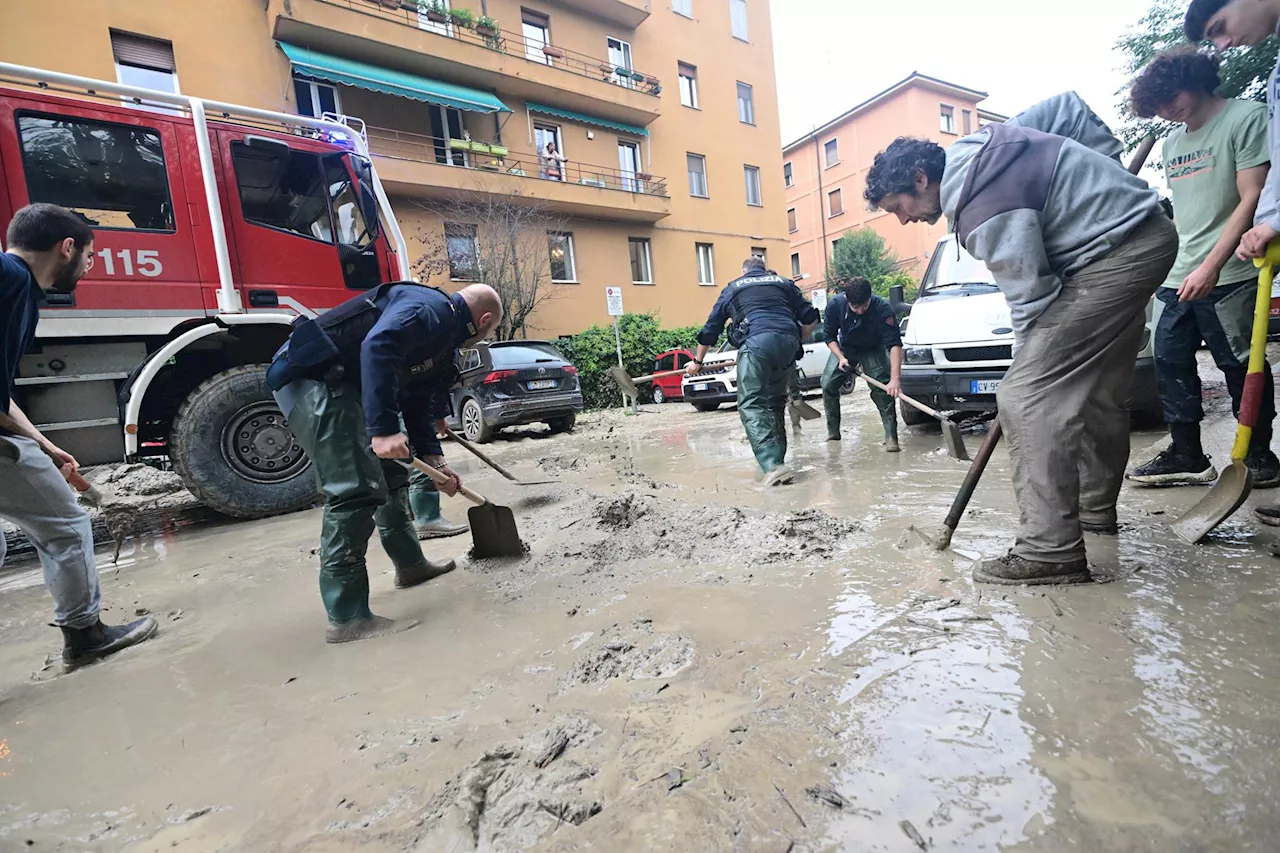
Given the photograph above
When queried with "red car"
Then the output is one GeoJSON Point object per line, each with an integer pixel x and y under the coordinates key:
{"type": "Point", "coordinates": [668, 387]}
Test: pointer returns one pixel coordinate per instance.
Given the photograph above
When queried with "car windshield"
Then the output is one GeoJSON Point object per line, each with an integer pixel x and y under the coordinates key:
{"type": "Point", "coordinates": [524, 354]}
{"type": "Point", "coordinates": [954, 267]}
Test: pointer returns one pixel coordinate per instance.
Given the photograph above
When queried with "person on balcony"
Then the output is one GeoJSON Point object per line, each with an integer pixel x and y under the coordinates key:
{"type": "Point", "coordinates": [552, 163]}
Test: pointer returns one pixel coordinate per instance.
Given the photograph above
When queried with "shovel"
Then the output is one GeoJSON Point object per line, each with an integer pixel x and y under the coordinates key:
{"type": "Point", "coordinates": [942, 538]}
{"type": "Point", "coordinates": [628, 385]}
{"type": "Point", "coordinates": [88, 492]}
{"type": "Point", "coordinates": [494, 465]}
{"type": "Point", "coordinates": [950, 432]}
{"type": "Point", "coordinates": [1236, 481]}
{"type": "Point", "coordinates": [493, 527]}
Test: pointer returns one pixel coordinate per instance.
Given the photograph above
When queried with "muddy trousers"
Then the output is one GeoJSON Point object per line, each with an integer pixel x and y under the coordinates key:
{"type": "Point", "coordinates": [765, 363]}
{"type": "Point", "coordinates": [873, 361]}
{"type": "Point", "coordinates": [1064, 404]}
{"type": "Point", "coordinates": [1223, 320]}
{"type": "Point", "coordinates": [34, 496]}
{"type": "Point", "coordinates": [360, 491]}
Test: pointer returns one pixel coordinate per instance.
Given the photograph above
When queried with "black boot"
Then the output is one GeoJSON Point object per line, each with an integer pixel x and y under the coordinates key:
{"type": "Point", "coordinates": [1264, 466]}
{"type": "Point", "coordinates": [85, 645]}
{"type": "Point", "coordinates": [422, 573]}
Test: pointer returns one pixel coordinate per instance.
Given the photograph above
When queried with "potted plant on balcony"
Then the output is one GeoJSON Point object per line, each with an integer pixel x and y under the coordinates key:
{"type": "Point", "coordinates": [434, 10]}
{"type": "Point", "coordinates": [637, 76]}
{"type": "Point", "coordinates": [552, 52]}
{"type": "Point", "coordinates": [487, 27]}
{"type": "Point", "coordinates": [463, 18]}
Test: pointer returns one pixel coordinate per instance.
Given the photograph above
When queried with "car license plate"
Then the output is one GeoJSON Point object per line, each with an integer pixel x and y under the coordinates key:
{"type": "Point", "coordinates": [983, 386]}
{"type": "Point", "coordinates": [541, 384]}
{"type": "Point", "coordinates": [701, 386]}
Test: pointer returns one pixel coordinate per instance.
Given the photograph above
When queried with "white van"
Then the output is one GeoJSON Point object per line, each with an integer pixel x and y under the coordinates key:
{"type": "Point", "coordinates": [958, 341]}
{"type": "Point", "coordinates": [717, 384]}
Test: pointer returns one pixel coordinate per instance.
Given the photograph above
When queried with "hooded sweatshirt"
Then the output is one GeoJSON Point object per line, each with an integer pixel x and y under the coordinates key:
{"type": "Point", "coordinates": [1041, 197]}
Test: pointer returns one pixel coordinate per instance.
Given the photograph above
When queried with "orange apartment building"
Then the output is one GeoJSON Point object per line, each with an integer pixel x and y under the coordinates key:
{"type": "Point", "coordinates": [664, 110]}
{"type": "Point", "coordinates": [825, 171]}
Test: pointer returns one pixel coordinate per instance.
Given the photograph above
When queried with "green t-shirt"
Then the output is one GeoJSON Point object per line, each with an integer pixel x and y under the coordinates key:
{"type": "Point", "coordinates": [1201, 170]}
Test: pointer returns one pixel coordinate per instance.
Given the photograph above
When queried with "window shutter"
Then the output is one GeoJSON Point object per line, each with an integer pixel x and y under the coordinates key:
{"type": "Point", "coordinates": [142, 51]}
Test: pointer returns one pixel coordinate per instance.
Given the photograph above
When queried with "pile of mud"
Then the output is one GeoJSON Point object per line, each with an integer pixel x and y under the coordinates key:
{"type": "Point", "coordinates": [632, 652]}
{"type": "Point", "coordinates": [128, 482]}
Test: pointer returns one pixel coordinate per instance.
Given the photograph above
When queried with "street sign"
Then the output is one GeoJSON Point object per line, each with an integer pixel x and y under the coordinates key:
{"type": "Point", "coordinates": [819, 298]}
{"type": "Point", "coordinates": [613, 297]}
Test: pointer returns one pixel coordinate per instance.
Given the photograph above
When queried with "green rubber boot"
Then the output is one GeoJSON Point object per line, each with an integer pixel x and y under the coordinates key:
{"type": "Point", "coordinates": [399, 539]}
{"type": "Point", "coordinates": [428, 523]}
{"type": "Point", "coordinates": [890, 423]}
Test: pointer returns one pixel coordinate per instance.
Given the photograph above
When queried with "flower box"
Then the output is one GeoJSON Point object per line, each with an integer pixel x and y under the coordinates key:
{"type": "Point", "coordinates": [552, 52]}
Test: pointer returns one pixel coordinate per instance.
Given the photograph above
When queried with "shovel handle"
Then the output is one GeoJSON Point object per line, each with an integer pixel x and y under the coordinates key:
{"type": "Point", "coordinates": [971, 479]}
{"type": "Point", "coordinates": [903, 397]}
{"type": "Point", "coordinates": [440, 479]}
{"type": "Point", "coordinates": [652, 376]}
{"type": "Point", "coordinates": [478, 453]}
{"type": "Point", "coordinates": [76, 480]}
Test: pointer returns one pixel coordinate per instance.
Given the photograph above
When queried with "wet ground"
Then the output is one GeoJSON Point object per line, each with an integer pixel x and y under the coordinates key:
{"type": "Point", "coordinates": [683, 662]}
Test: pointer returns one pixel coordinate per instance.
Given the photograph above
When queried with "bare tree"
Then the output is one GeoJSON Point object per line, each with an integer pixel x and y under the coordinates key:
{"type": "Point", "coordinates": [502, 240]}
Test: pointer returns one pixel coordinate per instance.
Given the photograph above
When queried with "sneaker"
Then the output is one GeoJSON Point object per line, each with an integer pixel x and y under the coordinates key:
{"type": "Point", "coordinates": [85, 645]}
{"type": "Point", "coordinates": [1174, 469]}
{"type": "Point", "coordinates": [779, 476]}
{"type": "Point", "coordinates": [438, 528]}
{"type": "Point", "coordinates": [1265, 468]}
{"type": "Point", "coordinates": [1012, 570]}
{"type": "Point", "coordinates": [1268, 515]}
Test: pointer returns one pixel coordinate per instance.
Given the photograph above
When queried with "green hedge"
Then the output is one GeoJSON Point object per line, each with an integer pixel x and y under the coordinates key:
{"type": "Point", "coordinates": [594, 352]}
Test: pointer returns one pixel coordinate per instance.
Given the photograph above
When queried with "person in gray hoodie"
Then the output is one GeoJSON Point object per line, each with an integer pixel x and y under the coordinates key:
{"type": "Point", "coordinates": [1078, 245]}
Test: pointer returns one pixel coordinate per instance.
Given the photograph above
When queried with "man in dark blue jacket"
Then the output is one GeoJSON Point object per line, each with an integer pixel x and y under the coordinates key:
{"type": "Point", "coordinates": [345, 381]}
{"type": "Point", "coordinates": [862, 329]}
{"type": "Point", "coordinates": [768, 312]}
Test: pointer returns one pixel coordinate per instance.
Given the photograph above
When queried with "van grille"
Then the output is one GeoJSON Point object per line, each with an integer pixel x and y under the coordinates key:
{"type": "Point", "coordinates": [991, 353]}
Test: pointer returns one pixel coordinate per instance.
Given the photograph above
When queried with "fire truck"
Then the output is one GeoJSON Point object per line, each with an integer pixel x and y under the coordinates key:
{"type": "Point", "coordinates": [214, 226]}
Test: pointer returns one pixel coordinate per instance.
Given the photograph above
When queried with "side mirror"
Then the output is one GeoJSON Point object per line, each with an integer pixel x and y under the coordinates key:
{"type": "Point", "coordinates": [898, 300]}
{"type": "Point", "coordinates": [363, 171]}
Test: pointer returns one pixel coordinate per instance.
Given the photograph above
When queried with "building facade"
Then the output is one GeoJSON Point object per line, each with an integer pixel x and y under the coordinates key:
{"type": "Point", "coordinates": [664, 114]}
{"type": "Point", "coordinates": [825, 171]}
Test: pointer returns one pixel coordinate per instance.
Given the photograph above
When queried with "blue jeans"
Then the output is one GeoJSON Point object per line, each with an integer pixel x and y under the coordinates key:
{"type": "Point", "coordinates": [1178, 334]}
{"type": "Point", "coordinates": [34, 496]}
{"type": "Point", "coordinates": [765, 364]}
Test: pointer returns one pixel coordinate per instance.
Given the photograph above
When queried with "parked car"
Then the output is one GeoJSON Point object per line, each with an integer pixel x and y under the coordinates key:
{"type": "Point", "coordinates": [513, 383]}
{"type": "Point", "coordinates": [958, 341]}
{"type": "Point", "coordinates": [716, 385]}
{"type": "Point", "coordinates": [669, 387]}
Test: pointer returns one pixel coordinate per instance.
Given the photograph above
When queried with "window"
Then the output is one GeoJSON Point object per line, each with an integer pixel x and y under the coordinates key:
{"type": "Point", "coordinates": [688, 85]}
{"type": "Point", "coordinates": [706, 266]}
{"type": "Point", "coordinates": [537, 34]}
{"type": "Point", "coordinates": [966, 122]}
{"type": "Point", "coordinates": [144, 62]}
{"type": "Point", "coordinates": [112, 175]}
{"type": "Point", "coordinates": [666, 362]}
{"type": "Point", "coordinates": [760, 252]}
{"type": "Point", "coordinates": [283, 190]}
{"type": "Point", "coordinates": [947, 119]}
{"type": "Point", "coordinates": [315, 99]}
{"type": "Point", "coordinates": [464, 253]}
{"type": "Point", "coordinates": [746, 104]}
{"type": "Point", "coordinates": [831, 151]}
{"type": "Point", "coordinates": [641, 261]}
{"type": "Point", "coordinates": [697, 176]}
{"type": "Point", "coordinates": [752, 177]}
{"type": "Point", "coordinates": [344, 204]}
{"type": "Point", "coordinates": [629, 165]}
{"type": "Point", "coordinates": [620, 59]}
{"type": "Point", "coordinates": [562, 264]}
{"type": "Point", "coordinates": [424, 19]}
{"type": "Point", "coordinates": [788, 179]}
{"type": "Point", "coordinates": [792, 227]}
{"type": "Point", "coordinates": [471, 359]}
{"type": "Point", "coordinates": [795, 264]}
{"type": "Point", "coordinates": [682, 7]}
{"type": "Point", "coordinates": [835, 203]}
{"type": "Point", "coordinates": [738, 17]}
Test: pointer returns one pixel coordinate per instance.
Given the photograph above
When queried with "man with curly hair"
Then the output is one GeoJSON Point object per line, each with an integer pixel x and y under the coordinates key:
{"type": "Point", "coordinates": [1216, 164]}
{"type": "Point", "coordinates": [1077, 245]}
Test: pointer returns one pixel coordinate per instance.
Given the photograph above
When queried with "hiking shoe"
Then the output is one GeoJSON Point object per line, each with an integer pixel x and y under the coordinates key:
{"type": "Point", "coordinates": [406, 578]}
{"type": "Point", "coordinates": [1174, 469]}
{"type": "Point", "coordinates": [1265, 468]}
{"type": "Point", "coordinates": [366, 629]}
{"type": "Point", "coordinates": [1269, 515]}
{"type": "Point", "coordinates": [438, 528]}
{"type": "Point", "coordinates": [85, 645]}
{"type": "Point", "coordinates": [779, 476]}
{"type": "Point", "coordinates": [1013, 570]}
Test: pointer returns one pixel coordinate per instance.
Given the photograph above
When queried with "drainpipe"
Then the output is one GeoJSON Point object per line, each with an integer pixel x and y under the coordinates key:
{"type": "Point", "coordinates": [822, 216]}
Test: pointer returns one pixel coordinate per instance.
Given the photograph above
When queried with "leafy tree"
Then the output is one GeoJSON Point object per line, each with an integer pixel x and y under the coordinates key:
{"type": "Point", "coordinates": [594, 351]}
{"type": "Point", "coordinates": [861, 252]}
{"type": "Point", "coordinates": [1244, 70]}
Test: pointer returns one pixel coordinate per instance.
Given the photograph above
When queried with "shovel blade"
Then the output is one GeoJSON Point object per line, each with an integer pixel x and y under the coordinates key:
{"type": "Point", "coordinates": [804, 410]}
{"type": "Point", "coordinates": [624, 382]}
{"type": "Point", "coordinates": [493, 532]}
{"type": "Point", "coordinates": [955, 441]}
{"type": "Point", "coordinates": [1224, 498]}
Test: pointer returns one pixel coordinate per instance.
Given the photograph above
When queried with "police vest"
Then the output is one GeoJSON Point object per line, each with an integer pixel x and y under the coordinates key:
{"type": "Point", "coordinates": [756, 295]}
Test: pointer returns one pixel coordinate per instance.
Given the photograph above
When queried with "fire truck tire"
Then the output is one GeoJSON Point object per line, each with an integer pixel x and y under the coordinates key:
{"type": "Point", "coordinates": [232, 447]}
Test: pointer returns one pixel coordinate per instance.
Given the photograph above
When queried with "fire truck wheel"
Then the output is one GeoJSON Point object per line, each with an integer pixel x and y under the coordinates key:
{"type": "Point", "coordinates": [233, 448]}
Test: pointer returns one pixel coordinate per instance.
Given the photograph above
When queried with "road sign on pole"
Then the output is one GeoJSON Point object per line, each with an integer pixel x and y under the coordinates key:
{"type": "Point", "coordinates": [613, 298]}
{"type": "Point", "coordinates": [819, 298]}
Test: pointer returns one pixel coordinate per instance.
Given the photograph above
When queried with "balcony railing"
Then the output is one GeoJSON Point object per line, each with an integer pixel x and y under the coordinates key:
{"type": "Point", "coordinates": [412, 14]}
{"type": "Point", "coordinates": [498, 159]}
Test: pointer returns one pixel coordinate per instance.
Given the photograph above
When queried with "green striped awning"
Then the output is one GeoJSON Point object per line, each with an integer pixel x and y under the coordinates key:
{"type": "Point", "coordinates": [569, 115]}
{"type": "Point", "coordinates": [388, 81]}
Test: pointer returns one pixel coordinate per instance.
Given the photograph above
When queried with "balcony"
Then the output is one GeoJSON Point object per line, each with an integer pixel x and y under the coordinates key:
{"type": "Point", "coordinates": [410, 164]}
{"type": "Point", "coordinates": [499, 60]}
{"type": "Point", "coordinates": [628, 13]}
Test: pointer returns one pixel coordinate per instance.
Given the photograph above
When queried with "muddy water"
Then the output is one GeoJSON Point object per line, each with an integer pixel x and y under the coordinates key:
{"type": "Point", "coordinates": [683, 662]}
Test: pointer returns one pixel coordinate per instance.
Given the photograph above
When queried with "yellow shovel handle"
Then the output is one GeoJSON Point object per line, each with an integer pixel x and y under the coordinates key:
{"type": "Point", "coordinates": [1254, 380]}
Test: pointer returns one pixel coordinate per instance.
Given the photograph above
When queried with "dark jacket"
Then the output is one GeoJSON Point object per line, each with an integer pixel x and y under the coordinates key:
{"type": "Point", "coordinates": [20, 301]}
{"type": "Point", "coordinates": [405, 364]}
{"type": "Point", "coordinates": [760, 301]}
{"type": "Point", "coordinates": [876, 328]}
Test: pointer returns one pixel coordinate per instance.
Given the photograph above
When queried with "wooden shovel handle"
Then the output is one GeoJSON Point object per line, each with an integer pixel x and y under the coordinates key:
{"type": "Point", "coordinates": [971, 479]}
{"type": "Point", "coordinates": [440, 479]}
{"type": "Point", "coordinates": [652, 376]}
{"type": "Point", "coordinates": [903, 397]}
{"type": "Point", "coordinates": [478, 453]}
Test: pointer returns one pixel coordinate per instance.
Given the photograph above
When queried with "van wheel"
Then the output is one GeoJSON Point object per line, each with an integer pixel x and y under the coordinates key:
{"type": "Point", "coordinates": [473, 426]}
{"type": "Point", "coordinates": [912, 417]}
{"type": "Point", "coordinates": [233, 449]}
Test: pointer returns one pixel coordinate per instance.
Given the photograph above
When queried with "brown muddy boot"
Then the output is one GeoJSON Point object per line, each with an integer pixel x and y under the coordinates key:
{"type": "Point", "coordinates": [366, 629]}
{"type": "Point", "coordinates": [420, 574]}
{"type": "Point", "coordinates": [1012, 570]}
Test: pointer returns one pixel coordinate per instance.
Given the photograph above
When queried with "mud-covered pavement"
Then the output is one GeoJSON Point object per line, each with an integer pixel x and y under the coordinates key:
{"type": "Point", "coordinates": [683, 662]}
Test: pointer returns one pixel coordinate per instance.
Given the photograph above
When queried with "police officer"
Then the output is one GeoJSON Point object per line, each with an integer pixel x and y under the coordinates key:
{"type": "Point", "coordinates": [345, 380]}
{"type": "Point", "coordinates": [862, 329]}
{"type": "Point", "coordinates": [767, 311]}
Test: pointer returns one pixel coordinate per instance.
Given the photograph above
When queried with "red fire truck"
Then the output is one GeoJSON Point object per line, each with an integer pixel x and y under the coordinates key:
{"type": "Point", "coordinates": [214, 226]}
